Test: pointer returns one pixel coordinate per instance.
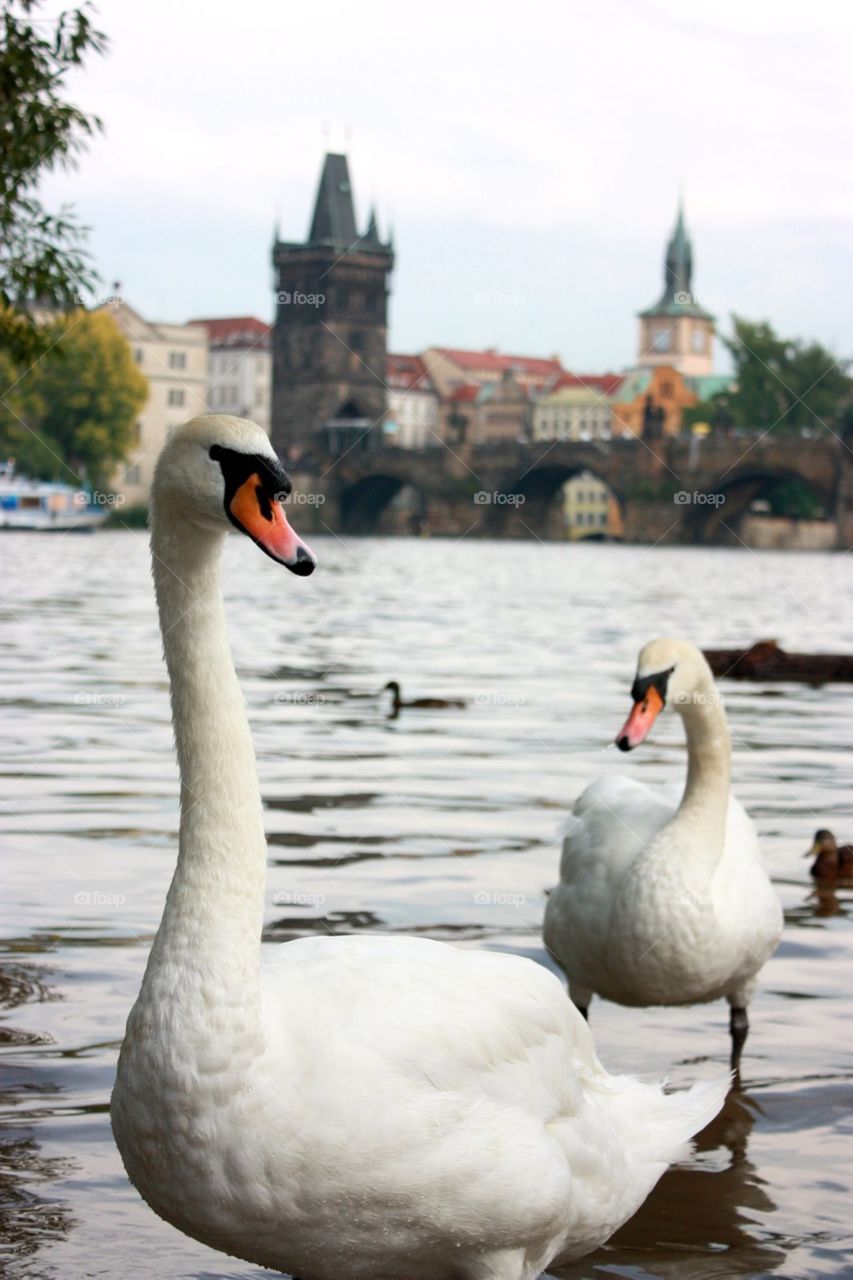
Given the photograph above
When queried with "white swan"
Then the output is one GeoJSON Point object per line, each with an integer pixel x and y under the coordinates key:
{"type": "Point", "coordinates": [662, 902]}
{"type": "Point", "coordinates": [362, 1108]}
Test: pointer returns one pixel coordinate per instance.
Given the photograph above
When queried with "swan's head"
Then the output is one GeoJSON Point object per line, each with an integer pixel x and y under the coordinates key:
{"type": "Point", "coordinates": [670, 673]}
{"type": "Point", "coordinates": [217, 473]}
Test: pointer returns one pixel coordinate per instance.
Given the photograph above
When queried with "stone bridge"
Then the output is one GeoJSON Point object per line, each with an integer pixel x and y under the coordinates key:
{"type": "Point", "coordinates": [673, 490]}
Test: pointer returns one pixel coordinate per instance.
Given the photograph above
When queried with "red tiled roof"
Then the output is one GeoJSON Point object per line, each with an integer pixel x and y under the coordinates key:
{"type": "Point", "coordinates": [604, 383]}
{"type": "Point", "coordinates": [407, 373]}
{"type": "Point", "coordinates": [236, 331]}
{"type": "Point", "coordinates": [498, 362]}
{"type": "Point", "coordinates": [466, 393]}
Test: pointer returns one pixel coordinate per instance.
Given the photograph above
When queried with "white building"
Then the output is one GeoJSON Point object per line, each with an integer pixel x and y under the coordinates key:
{"type": "Point", "coordinates": [413, 405]}
{"type": "Point", "coordinates": [173, 357]}
{"type": "Point", "coordinates": [577, 407]}
{"type": "Point", "coordinates": [240, 367]}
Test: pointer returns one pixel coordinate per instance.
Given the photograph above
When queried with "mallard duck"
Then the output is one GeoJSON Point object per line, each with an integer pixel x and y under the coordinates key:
{"type": "Point", "coordinates": [419, 704]}
{"type": "Point", "coordinates": [831, 860]}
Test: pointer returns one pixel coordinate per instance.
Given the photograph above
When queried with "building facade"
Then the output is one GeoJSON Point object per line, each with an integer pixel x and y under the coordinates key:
{"type": "Point", "coordinates": [330, 332]}
{"type": "Point", "coordinates": [453, 367]}
{"type": "Point", "coordinates": [677, 332]}
{"type": "Point", "coordinates": [173, 358]}
{"type": "Point", "coordinates": [591, 509]}
{"type": "Point", "coordinates": [413, 405]}
{"type": "Point", "coordinates": [578, 407]}
{"type": "Point", "coordinates": [239, 367]}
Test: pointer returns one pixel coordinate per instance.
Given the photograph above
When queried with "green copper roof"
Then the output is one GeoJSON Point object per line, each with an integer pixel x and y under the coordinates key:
{"type": "Point", "coordinates": [677, 298]}
{"type": "Point", "coordinates": [710, 384]}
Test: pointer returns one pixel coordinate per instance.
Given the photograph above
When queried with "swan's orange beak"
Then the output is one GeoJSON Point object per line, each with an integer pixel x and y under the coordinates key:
{"type": "Point", "coordinates": [262, 517]}
{"type": "Point", "coordinates": [643, 715]}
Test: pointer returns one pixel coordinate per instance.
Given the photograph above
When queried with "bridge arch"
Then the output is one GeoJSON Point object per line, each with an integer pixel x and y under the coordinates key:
{"type": "Point", "coordinates": [713, 515]}
{"type": "Point", "coordinates": [382, 502]}
{"type": "Point", "coordinates": [539, 508]}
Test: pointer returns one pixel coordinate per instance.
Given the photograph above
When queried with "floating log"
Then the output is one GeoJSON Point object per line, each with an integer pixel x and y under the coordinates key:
{"type": "Point", "coordinates": [766, 661]}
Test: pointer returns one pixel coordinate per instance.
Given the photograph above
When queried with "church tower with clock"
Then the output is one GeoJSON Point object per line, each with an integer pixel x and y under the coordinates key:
{"type": "Point", "coordinates": [329, 390]}
{"type": "Point", "coordinates": [677, 332]}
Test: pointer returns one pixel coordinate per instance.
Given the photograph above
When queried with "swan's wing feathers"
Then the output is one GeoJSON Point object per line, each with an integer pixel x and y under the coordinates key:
{"type": "Point", "coordinates": [613, 819]}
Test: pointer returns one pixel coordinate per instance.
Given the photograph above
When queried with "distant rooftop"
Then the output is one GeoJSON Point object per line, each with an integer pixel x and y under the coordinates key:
{"type": "Point", "coordinates": [494, 361]}
{"type": "Point", "coordinates": [236, 331]}
{"type": "Point", "coordinates": [407, 373]}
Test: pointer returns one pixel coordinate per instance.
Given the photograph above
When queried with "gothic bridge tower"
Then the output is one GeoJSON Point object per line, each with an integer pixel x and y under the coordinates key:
{"type": "Point", "coordinates": [330, 332]}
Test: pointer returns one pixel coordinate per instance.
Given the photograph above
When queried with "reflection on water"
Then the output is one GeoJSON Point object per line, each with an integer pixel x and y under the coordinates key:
{"type": "Point", "coordinates": [436, 822]}
{"type": "Point", "coordinates": [700, 1220]}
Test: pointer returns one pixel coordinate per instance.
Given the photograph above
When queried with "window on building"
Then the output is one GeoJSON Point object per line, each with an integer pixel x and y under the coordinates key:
{"type": "Point", "coordinates": [138, 355]}
{"type": "Point", "coordinates": [666, 389]}
{"type": "Point", "coordinates": [176, 396]}
{"type": "Point", "coordinates": [699, 341]}
{"type": "Point", "coordinates": [661, 340]}
{"type": "Point", "coordinates": [177, 360]}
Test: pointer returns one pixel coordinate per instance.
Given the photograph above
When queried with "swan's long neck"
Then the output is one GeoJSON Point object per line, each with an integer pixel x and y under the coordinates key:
{"type": "Point", "coordinates": [208, 944]}
{"type": "Point", "coordinates": [705, 802]}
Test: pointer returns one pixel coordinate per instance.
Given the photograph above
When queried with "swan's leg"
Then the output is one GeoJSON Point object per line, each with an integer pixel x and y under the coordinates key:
{"type": "Point", "coordinates": [739, 1029]}
{"type": "Point", "coordinates": [580, 999]}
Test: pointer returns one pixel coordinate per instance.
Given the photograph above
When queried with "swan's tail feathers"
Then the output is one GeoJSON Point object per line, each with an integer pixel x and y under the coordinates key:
{"type": "Point", "coordinates": [684, 1114]}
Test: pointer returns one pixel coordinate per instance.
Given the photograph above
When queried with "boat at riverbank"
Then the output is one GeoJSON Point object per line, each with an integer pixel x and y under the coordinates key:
{"type": "Point", "coordinates": [45, 506]}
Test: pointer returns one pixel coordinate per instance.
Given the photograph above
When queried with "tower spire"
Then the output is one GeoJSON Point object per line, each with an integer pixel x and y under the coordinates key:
{"type": "Point", "coordinates": [334, 213]}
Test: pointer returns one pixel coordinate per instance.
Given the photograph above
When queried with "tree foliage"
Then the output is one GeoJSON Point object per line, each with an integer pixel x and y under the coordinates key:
{"type": "Point", "coordinates": [71, 415]}
{"type": "Point", "coordinates": [783, 384]}
{"type": "Point", "coordinates": [42, 256]}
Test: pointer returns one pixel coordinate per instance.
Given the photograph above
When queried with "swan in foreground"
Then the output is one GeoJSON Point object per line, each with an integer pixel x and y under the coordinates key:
{"type": "Point", "coordinates": [661, 901]}
{"type": "Point", "coordinates": [354, 1108]}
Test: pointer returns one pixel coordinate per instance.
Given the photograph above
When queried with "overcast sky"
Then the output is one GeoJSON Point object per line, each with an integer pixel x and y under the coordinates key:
{"type": "Point", "coordinates": [529, 158]}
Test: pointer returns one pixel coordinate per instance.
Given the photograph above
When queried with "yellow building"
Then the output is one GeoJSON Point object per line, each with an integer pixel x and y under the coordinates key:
{"type": "Point", "coordinates": [174, 359]}
{"type": "Point", "coordinates": [591, 509]}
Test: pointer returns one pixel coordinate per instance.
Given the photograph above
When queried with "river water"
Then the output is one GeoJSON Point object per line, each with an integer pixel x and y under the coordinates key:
{"type": "Point", "coordinates": [441, 823]}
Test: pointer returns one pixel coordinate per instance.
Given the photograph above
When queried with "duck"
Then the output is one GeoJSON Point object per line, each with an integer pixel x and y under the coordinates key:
{"type": "Point", "coordinates": [831, 860]}
{"type": "Point", "coordinates": [420, 704]}
{"type": "Point", "coordinates": [663, 897]}
{"type": "Point", "coordinates": [350, 1107]}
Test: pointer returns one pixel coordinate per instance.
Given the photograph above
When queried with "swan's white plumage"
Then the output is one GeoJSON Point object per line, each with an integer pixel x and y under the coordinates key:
{"type": "Point", "coordinates": [363, 1108]}
{"type": "Point", "coordinates": [660, 900]}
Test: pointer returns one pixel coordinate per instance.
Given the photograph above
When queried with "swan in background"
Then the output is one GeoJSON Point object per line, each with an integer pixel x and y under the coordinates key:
{"type": "Point", "coordinates": [420, 704]}
{"type": "Point", "coordinates": [831, 860]}
{"type": "Point", "coordinates": [660, 901]}
{"type": "Point", "coordinates": [352, 1108]}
